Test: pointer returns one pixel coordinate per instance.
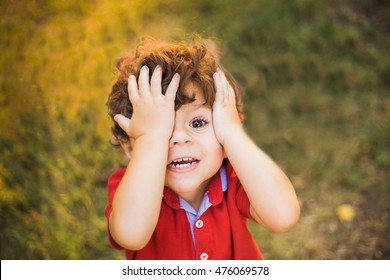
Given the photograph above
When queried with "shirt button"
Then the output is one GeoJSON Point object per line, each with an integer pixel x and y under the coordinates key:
{"type": "Point", "coordinates": [204, 256]}
{"type": "Point", "coordinates": [199, 224]}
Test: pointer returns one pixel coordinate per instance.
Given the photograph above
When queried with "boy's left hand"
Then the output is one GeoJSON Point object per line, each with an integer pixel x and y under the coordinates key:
{"type": "Point", "coordinates": [226, 119]}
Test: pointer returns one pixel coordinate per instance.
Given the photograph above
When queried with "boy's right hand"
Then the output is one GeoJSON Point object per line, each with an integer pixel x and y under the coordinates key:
{"type": "Point", "coordinates": [153, 112]}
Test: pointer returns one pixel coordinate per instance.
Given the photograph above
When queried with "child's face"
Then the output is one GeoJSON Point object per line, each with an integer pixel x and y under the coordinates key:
{"type": "Point", "coordinates": [195, 154]}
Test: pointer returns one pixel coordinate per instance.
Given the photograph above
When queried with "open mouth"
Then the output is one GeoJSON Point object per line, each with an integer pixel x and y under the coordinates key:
{"type": "Point", "coordinates": [181, 163]}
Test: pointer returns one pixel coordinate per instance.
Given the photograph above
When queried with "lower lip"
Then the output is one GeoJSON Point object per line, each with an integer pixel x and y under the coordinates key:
{"type": "Point", "coordinates": [185, 169]}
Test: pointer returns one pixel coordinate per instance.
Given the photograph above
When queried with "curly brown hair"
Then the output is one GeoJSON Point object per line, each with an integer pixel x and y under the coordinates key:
{"type": "Point", "coordinates": [196, 61]}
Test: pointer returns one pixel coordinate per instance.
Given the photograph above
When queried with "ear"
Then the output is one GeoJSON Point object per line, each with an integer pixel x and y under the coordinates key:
{"type": "Point", "coordinates": [126, 146]}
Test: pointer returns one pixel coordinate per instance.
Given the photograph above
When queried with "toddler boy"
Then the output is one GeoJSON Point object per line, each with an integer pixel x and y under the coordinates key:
{"type": "Point", "coordinates": [194, 176]}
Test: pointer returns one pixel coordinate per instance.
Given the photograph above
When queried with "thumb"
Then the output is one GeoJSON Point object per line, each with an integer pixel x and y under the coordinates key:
{"type": "Point", "coordinates": [123, 122]}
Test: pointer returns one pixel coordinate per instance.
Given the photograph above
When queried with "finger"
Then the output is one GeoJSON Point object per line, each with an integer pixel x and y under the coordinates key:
{"type": "Point", "coordinates": [231, 96]}
{"type": "Point", "coordinates": [172, 87]}
{"type": "Point", "coordinates": [143, 81]}
{"type": "Point", "coordinates": [219, 94]}
{"type": "Point", "coordinates": [155, 81]}
{"type": "Point", "coordinates": [123, 122]}
{"type": "Point", "coordinates": [132, 88]}
{"type": "Point", "coordinates": [227, 88]}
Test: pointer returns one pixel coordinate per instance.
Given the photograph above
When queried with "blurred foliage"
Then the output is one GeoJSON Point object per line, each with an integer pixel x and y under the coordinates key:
{"type": "Point", "coordinates": [316, 75]}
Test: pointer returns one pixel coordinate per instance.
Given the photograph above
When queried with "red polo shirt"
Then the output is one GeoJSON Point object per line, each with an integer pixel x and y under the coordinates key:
{"type": "Point", "coordinates": [221, 231]}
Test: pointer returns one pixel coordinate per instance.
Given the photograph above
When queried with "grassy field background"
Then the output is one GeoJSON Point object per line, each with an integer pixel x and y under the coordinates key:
{"type": "Point", "coordinates": [316, 76]}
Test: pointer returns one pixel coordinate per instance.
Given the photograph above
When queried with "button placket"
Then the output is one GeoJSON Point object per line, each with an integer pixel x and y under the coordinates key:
{"type": "Point", "coordinates": [199, 225]}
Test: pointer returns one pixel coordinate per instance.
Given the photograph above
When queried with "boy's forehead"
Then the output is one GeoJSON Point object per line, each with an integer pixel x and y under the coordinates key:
{"type": "Point", "coordinates": [194, 107]}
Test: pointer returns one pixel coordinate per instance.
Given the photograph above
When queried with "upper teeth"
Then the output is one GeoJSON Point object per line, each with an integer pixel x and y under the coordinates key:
{"type": "Point", "coordinates": [182, 159]}
{"type": "Point", "coordinates": [182, 163]}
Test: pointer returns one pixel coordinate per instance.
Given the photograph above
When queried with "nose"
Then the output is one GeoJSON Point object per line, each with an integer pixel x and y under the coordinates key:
{"type": "Point", "coordinates": [179, 137]}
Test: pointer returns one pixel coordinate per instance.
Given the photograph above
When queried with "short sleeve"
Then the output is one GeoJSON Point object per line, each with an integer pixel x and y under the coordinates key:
{"type": "Point", "coordinates": [243, 203]}
{"type": "Point", "coordinates": [113, 183]}
{"type": "Point", "coordinates": [242, 200]}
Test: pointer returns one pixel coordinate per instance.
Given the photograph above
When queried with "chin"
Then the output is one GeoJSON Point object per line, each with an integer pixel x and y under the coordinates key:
{"type": "Point", "coordinates": [182, 188]}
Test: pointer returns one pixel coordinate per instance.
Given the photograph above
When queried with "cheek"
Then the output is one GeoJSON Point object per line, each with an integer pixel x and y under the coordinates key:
{"type": "Point", "coordinates": [209, 143]}
{"type": "Point", "coordinates": [214, 147]}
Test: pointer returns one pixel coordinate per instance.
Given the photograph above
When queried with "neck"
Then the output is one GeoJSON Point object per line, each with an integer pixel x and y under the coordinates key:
{"type": "Point", "coordinates": [195, 198]}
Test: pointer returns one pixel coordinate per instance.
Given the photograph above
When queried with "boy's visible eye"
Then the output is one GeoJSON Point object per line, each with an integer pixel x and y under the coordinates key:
{"type": "Point", "coordinates": [198, 123]}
